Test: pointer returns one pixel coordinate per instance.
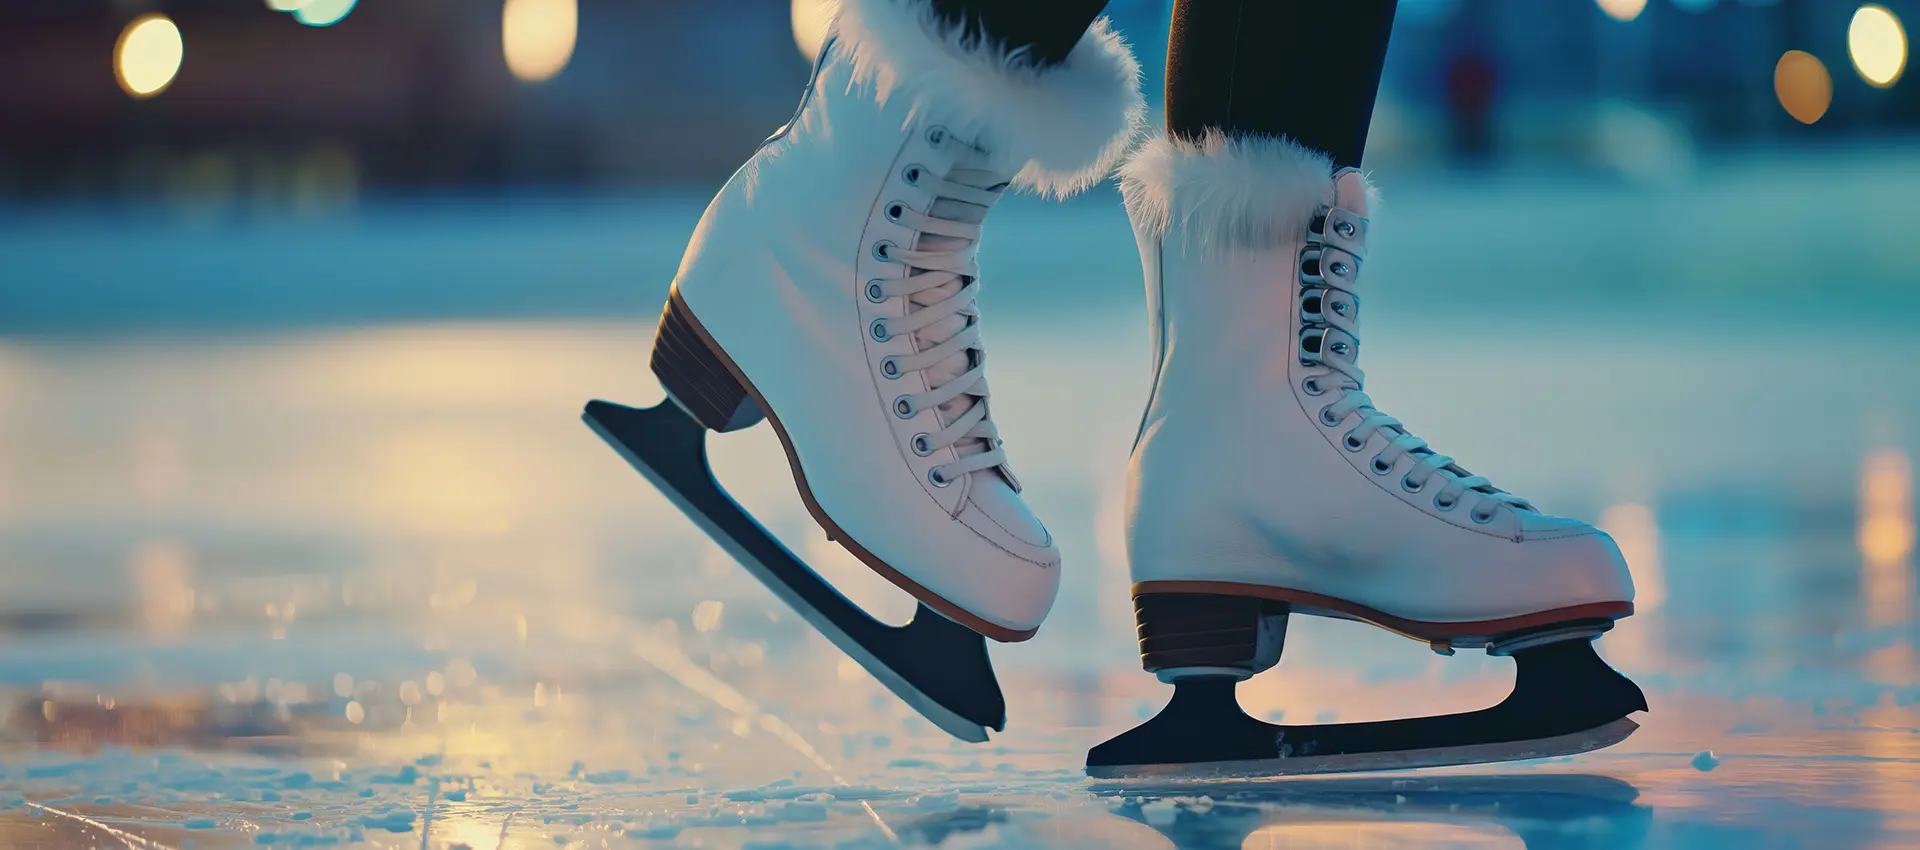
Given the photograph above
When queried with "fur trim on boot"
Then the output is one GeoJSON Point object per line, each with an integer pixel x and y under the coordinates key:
{"type": "Point", "coordinates": [1063, 127]}
{"type": "Point", "coordinates": [1219, 192]}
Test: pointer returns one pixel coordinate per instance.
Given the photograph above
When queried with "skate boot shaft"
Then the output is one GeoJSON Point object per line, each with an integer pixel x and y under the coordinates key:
{"type": "Point", "coordinates": [1262, 465]}
{"type": "Point", "coordinates": [836, 275]}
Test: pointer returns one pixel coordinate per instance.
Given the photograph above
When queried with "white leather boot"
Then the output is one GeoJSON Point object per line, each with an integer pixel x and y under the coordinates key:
{"type": "Point", "coordinates": [830, 286]}
{"type": "Point", "coordinates": [1263, 469]}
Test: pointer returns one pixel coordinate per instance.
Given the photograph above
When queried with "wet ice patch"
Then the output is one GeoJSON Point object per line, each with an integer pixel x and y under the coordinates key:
{"type": "Point", "coordinates": [405, 776]}
{"type": "Point", "coordinates": [284, 839]}
{"type": "Point", "coordinates": [392, 820]}
{"type": "Point", "coordinates": [938, 801]}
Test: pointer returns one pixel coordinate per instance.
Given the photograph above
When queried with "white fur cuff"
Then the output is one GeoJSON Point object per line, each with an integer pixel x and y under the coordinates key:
{"type": "Point", "coordinates": [1063, 127]}
{"type": "Point", "coordinates": [1223, 192]}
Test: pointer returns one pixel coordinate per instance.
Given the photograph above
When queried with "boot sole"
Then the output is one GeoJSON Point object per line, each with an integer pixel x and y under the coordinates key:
{"type": "Point", "coordinates": [700, 377]}
{"type": "Point", "coordinates": [1442, 636]}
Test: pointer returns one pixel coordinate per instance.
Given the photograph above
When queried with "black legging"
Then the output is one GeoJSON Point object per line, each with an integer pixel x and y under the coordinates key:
{"type": "Point", "coordinates": [1305, 69]}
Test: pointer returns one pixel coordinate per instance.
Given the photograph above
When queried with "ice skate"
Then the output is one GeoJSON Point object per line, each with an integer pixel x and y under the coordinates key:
{"type": "Point", "coordinates": [830, 289]}
{"type": "Point", "coordinates": [1265, 483]}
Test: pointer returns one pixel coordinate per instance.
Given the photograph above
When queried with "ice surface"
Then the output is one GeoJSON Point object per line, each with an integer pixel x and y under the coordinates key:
{"type": "Point", "coordinates": [268, 580]}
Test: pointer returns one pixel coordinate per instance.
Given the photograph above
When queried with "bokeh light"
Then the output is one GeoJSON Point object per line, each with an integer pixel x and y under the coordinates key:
{"type": "Point", "coordinates": [1622, 10]}
{"type": "Point", "coordinates": [323, 13]}
{"type": "Point", "coordinates": [1803, 85]}
{"type": "Point", "coordinates": [537, 36]}
{"type": "Point", "coordinates": [811, 18]}
{"type": "Point", "coordinates": [148, 55]}
{"type": "Point", "coordinates": [1636, 530]}
{"type": "Point", "coordinates": [1886, 508]}
{"type": "Point", "coordinates": [1878, 45]}
{"type": "Point", "coordinates": [1695, 6]}
{"type": "Point", "coordinates": [286, 5]}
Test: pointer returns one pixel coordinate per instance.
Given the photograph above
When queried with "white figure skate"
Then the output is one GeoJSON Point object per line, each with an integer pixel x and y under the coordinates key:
{"type": "Point", "coordinates": [1265, 482]}
{"type": "Point", "coordinates": [830, 288]}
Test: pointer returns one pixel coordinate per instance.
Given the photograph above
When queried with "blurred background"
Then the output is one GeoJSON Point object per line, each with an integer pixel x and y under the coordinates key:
{"type": "Point", "coordinates": [301, 541]}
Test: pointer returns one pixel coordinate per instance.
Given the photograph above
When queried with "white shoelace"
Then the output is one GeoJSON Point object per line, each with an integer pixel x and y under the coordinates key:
{"type": "Point", "coordinates": [1456, 482]}
{"type": "Point", "coordinates": [940, 289]}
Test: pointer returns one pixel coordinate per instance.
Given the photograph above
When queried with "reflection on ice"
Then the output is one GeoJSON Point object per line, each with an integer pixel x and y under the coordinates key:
{"type": "Point", "coordinates": [393, 563]}
{"type": "Point", "coordinates": [1446, 810]}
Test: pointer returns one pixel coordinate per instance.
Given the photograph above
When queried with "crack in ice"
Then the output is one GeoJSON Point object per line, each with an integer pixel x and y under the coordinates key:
{"type": "Point", "coordinates": [133, 842]}
{"type": "Point", "coordinates": [702, 681]}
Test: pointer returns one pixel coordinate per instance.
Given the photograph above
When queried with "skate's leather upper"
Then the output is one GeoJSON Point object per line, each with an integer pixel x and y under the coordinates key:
{"type": "Point", "coordinates": [1236, 478]}
{"type": "Point", "coordinates": [778, 271]}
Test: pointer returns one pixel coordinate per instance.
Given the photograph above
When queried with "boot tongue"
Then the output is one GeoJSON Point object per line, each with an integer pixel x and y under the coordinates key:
{"type": "Point", "coordinates": [946, 370]}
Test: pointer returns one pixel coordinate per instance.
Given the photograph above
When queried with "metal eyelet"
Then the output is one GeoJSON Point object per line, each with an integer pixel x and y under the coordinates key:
{"type": "Point", "coordinates": [1328, 419]}
{"type": "Point", "coordinates": [921, 445]}
{"type": "Point", "coordinates": [1310, 340]}
{"type": "Point", "coordinates": [895, 210]}
{"type": "Point", "coordinates": [1340, 269]}
{"type": "Point", "coordinates": [1339, 348]}
{"type": "Point", "coordinates": [912, 173]}
{"type": "Point", "coordinates": [1344, 228]}
{"type": "Point", "coordinates": [1340, 308]}
{"type": "Point", "coordinates": [875, 292]}
{"type": "Point", "coordinates": [1354, 443]}
{"type": "Point", "coordinates": [936, 136]}
{"type": "Point", "coordinates": [1446, 505]}
{"type": "Point", "coordinates": [879, 330]}
{"type": "Point", "coordinates": [1311, 386]}
{"type": "Point", "coordinates": [903, 407]}
{"type": "Point", "coordinates": [1381, 467]}
{"type": "Point", "coordinates": [890, 368]}
{"type": "Point", "coordinates": [881, 251]}
{"type": "Point", "coordinates": [938, 478]}
{"type": "Point", "coordinates": [1408, 485]}
{"type": "Point", "coordinates": [1480, 518]}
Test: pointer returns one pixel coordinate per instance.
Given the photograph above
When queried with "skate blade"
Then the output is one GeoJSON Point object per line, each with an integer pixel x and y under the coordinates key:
{"type": "Point", "coordinates": [938, 667]}
{"type": "Point", "coordinates": [1599, 737]}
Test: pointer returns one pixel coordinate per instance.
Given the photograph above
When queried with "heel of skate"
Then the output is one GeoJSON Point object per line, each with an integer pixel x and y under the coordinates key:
{"type": "Point", "coordinates": [696, 375]}
{"type": "Point", "coordinates": [1202, 634]}
{"type": "Point", "coordinates": [1565, 700]}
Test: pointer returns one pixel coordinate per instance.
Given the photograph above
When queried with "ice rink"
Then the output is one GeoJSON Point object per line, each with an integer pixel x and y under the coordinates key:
{"type": "Point", "coordinates": [302, 542]}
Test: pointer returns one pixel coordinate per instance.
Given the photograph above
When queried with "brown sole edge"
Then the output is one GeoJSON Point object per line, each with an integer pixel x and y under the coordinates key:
{"type": "Point", "coordinates": [1306, 602]}
{"type": "Point", "coordinates": [826, 523]}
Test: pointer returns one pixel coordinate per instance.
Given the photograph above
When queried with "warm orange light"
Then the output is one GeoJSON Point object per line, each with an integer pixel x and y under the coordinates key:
{"type": "Point", "coordinates": [1886, 507]}
{"type": "Point", "coordinates": [1886, 537]}
{"type": "Point", "coordinates": [1803, 85]}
